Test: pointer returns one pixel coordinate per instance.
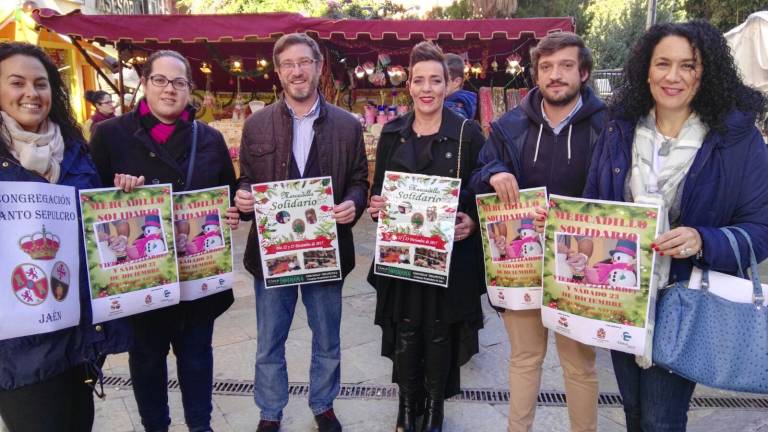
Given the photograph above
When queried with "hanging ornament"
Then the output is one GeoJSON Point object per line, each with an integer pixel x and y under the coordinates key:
{"type": "Point", "coordinates": [369, 67]}
{"type": "Point", "coordinates": [205, 68]}
{"type": "Point", "coordinates": [359, 72]}
{"type": "Point", "coordinates": [513, 64]}
{"type": "Point", "coordinates": [495, 65]}
{"type": "Point", "coordinates": [266, 76]}
{"type": "Point", "coordinates": [476, 69]}
{"type": "Point", "coordinates": [384, 60]}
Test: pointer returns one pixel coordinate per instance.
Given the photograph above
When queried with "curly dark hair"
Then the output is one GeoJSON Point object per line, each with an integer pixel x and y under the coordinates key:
{"type": "Point", "coordinates": [61, 110]}
{"type": "Point", "coordinates": [721, 89]}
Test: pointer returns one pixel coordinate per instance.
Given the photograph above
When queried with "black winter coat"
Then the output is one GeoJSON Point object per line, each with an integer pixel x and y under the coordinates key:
{"type": "Point", "coordinates": [458, 304]}
{"type": "Point", "coordinates": [122, 146]}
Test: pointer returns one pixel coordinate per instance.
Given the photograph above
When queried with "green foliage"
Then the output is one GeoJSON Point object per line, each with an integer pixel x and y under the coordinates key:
{"type": "Point", "coordinates": [724, 15]}
{"type": "Point", "coordinates": [459, 9]}
{"type": "Point", "coordinates": [617, 24]}
{"type": "Point", "coordinates": [557, 8]}
{"type": "Point", "coordinates": [307, 7]}
{"type": "Point", "coordinates": [366, 9]}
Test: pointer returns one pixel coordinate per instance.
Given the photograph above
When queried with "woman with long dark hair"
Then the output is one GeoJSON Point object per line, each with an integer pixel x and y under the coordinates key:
{"type": "Point", "coordinates": [430, 331]}
{"type": "Point", "coordinates": [41, 142]}
{"type": "Point", "coordinates": [105, 110]}
{"type": "Point", "coordinates": [682, 135]}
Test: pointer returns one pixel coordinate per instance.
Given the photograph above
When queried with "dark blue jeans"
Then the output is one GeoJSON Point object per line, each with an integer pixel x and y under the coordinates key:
{"type": "Point", "coordinates": [274, 313]}
{"type": "Point", "coordinates": [655, 400]}
{"type": "Point", "coordinates": [191, 344]}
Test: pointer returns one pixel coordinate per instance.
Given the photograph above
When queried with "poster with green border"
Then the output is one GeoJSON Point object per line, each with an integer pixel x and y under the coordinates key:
{"type": "Point", "coordinates": [513, 251]}
{"type": "Point", "coordinates": [415, 233]}
{"type": "Point", "coordinates": [203, 242]}
{"type": "Point", "coordinates": [297, 232]}
{"type": "Point", "coordinates": [130, 250]}
{"type": "Point", "coordinates": [598, 265]}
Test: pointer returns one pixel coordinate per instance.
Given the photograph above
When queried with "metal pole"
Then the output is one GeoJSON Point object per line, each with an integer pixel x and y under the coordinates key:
{"type": "Point", "coordinates": [651, 19]}
{"type": "Point", "coordinates": [121, 82]}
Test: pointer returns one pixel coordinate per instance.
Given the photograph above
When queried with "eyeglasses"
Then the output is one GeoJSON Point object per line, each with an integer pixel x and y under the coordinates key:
{"type": "Point", "coordinates": [303, 64]}
{"type": "Point", "coordinates": [161, 81]}
{"type": "Point", "coordinates": [108, 101]}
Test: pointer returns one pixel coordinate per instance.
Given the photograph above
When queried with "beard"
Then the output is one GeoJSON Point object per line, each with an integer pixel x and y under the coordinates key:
{"type": "Point", "coordinates": [303, 94]}
{"type": "Point", "coordinates": [562, 99]}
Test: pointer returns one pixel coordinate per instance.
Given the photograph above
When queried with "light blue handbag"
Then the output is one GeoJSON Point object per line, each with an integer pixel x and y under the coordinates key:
{"type": "Point", "coordinates": [713, 341]}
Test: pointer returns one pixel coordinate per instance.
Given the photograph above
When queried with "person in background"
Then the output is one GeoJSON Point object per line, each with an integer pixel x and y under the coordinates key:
{"type": "Point", "coordinates": [463, 102]}
{"type": "Point", "coordinates": [47, 380]}
{"type": "Point", "coordinates": [105, 110]}
{"type": "Point", "coordinates": [548, 141]}
{"type": "Point", "coordinates": [301, 136]}
{"type": "Point", "coordinates": [682, 135]}
{"type": "Point", "coordinates": [429, 331]}
{"type": "Point", "coordinates": [154, 142]}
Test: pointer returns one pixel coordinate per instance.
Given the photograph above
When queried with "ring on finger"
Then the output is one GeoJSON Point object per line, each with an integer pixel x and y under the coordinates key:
{"type": "Point", "coordinates": [685, 252]}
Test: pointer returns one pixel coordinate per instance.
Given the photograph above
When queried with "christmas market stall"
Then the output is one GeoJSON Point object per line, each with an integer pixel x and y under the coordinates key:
{"type": "Point", "coordinates": [366, 60]}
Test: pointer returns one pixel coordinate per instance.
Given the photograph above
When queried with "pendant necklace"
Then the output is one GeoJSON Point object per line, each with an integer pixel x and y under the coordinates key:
{"type": "Point", "coordinates": [666, 142]}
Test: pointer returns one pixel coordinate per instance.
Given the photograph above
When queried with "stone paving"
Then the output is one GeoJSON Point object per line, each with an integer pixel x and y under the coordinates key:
{"type": "Point", "coordinates": [235, 347]}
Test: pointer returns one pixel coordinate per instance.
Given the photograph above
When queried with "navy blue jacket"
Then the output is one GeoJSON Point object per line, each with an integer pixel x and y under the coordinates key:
{"type": "Point", "coordinates": [463, 103]}
{"type": "Point", "coordinates": [522, 143]}
{"type": "Point", "coordinates": [727, 185]}
{"type": "Point", "coordinates": [31, 359]}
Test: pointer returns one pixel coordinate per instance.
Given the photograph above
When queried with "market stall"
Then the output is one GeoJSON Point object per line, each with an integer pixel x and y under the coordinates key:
{"type": "Point", "coordinates": [366, 65]}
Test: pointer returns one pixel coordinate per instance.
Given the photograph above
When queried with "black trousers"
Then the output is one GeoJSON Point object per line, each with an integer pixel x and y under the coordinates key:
{"type": "Point", "coordinates": [63, 403]}
{"type": "Point", "coordinates": [423, 358]}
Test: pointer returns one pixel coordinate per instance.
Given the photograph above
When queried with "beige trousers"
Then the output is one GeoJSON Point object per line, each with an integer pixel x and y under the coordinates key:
{"type": "Point", "coordinates": [528, 343]}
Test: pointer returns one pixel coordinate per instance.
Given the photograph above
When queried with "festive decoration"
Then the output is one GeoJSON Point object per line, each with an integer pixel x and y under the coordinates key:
{"type": "Point", "coordinates": [369, 68]}
{"type": "Point", "coordinates": [205, 68]}
{"type": "Point", "coordinates": [359, 72]}
{"type": "Point", "coordinates": [513, 65]}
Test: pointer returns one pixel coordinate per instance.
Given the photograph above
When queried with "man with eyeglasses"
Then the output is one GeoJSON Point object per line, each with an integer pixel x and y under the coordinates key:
{"type": "Point", "coordinates": [301, 136]}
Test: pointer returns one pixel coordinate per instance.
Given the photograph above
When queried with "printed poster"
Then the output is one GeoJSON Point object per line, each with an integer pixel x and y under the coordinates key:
{"type": "Point", "coordinates": [598, 264]}
{"type": "Point", "coordinates": [297, 231]}
{"type": "Point", "coordinates": [130, 250]}
{"type": "Point", "coordinates": [203, 242]}
{"type": "Point", "coordinates": [414, 238]}
{"type": "Point", "coordinates": [40, 261]}
{"type": "Point", "coordinates": [512, 249]}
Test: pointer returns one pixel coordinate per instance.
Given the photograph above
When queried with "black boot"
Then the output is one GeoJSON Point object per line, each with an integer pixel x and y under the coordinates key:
{"type": "Point", "coordinates": [437, 368]}
{"type": "Point", "coordinates": [409, 374]}
{"type": "Point", "coordinates": [433, 418]}
{"type": "Point", "coordinates": [406, 415]}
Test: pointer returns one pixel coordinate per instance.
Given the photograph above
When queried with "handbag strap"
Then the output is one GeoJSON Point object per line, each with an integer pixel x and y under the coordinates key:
{"type": "Point", "coordinates": [757, 289]}
{"type": "Point", "coordinates": [458, 157]}
{"type": "Point", "coordinates": [192, 156]}
{"type": "Point", "coordinates": [735, 248]}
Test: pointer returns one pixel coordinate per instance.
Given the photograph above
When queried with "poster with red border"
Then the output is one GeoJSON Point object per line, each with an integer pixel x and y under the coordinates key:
{"type": "Point", "coordinates": [297, 231]}
{"type": "Point", "coordinates": [415, 233]}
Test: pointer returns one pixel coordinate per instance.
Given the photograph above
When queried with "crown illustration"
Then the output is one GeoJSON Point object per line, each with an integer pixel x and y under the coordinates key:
{"type": "Point", "coordinates": [41, 245]}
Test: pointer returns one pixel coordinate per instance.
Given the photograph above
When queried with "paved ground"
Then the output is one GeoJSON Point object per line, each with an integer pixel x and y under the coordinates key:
{"type": "Point", "coordinates": [235, 346]}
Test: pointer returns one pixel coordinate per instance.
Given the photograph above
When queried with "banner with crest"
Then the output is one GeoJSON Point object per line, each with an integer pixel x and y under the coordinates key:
{"type": "Point", "coordinates": [414, 238]}
{"type": "Point", "coordinates": [297, 231]}
{"type": "Point", "coordinates": [130, 248]}
{"type": "Point", "coordinates": [203, 242]}
{"type": "Point", "coordinates": [513, 251]}
{"type": "Point", "coordinates": [40, 264]}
